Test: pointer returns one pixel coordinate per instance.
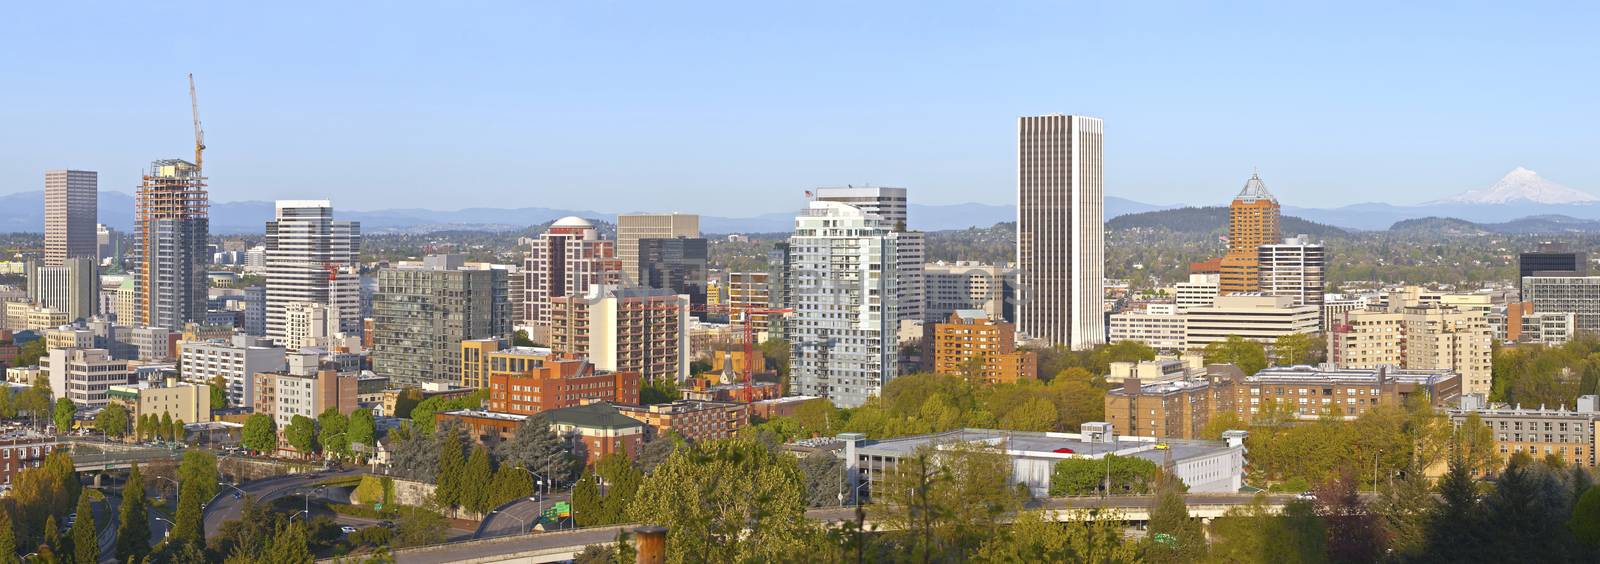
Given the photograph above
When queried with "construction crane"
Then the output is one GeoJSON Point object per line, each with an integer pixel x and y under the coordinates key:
{"type": "Point", "coordinates": [199, 134]}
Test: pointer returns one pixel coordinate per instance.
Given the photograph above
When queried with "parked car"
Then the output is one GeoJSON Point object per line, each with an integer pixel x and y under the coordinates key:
{"type": "Point", "coordinates": [1306, 496]}
{"type": "Point", "coordinates": [347, 529]}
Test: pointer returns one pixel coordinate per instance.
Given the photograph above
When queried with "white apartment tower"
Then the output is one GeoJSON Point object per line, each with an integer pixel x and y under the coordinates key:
{"type": "Point", "coordinates": [1295, 268]}
{"type": "Point", "coordinates": [311, 258]}
{"type": "Point", "coordinates": [70, 215]}
{"type": "Point", "coordinates": [1060, 230]}
{"type": "Point", "coordinates": [842, 335]}
{"type": "Point", "coordinates": [890, 205]}
{"type": "Point", "coordinates": [567, 259]}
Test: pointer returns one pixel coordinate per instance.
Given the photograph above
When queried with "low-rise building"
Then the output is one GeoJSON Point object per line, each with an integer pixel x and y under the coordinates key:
{"type": "Point", "coordinates": [532, 384]}
{"type": "Point", "coordinates": [21, 450]}
{"type": "Point", "coordinates": [183, 401]}
{"type": "Point", "coordinates": [1256, 317]}
{"type": "Point", "coordinates": [1158, 326]}
{"type": "Point", "coordinates": [600, 427]}
{"type": "Point", "coordinates": [84, 375]}
{"type": "Point", "coordinates": [1567, 434]}
{"type": "Point", "coordinates": [692, 420]}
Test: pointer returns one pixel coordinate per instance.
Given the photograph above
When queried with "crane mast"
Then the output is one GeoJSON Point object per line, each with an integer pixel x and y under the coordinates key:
{"type": "Point", "coordinates": [199, 134]}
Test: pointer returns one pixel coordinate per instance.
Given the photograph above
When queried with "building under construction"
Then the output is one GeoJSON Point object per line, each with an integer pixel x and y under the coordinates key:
{"type": "Point", "coordinates": [170, 228]}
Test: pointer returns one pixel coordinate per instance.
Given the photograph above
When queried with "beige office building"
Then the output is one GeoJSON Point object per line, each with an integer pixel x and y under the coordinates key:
{"type": "Point", "coordinates": [1250, 315]}
{"type": "Point", "coordinates": [635, 226]}
{"type": "Point", "coordinates": [1416, 337]}
{"type": "Point", "coordinates": [1060, 230]}
{"type": "Point", "coordinates": [70, 215]}
{"type": "Point", "coordinates": [184, 401]}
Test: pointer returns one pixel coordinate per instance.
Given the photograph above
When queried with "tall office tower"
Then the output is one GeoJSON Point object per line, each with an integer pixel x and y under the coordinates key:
{"type": "Point", "coordinates": [421, 315]}
{"type": "Point", "coordinates": [1552, 258]}
{"type": "Point", "coordinates": [69, 215]}
{"type": "Point", "coordinates": [842, 337]}
{"type": "Point", "coordinates": [1293, 268]}
{"type": "Point", "coordinates": [1253, 222]}
{"type": "Point", "coordinates": [677, 264]}
{"type": "Point", "coordinates": [170, 230]}
{"type": "Point", "coordinates": [640, 330]}
{"type": "Point", "coordinates": [1060, 230]}
{"type": "Point", "coordinates": [72, 287]}
{"type": "Point", "coordinates": [632, 227]}
{"type": "Point", "coordinates": [890, 205]}
{"type": "Point", "coordinates": [516, 293]}
{"type": "Point", "coordinates": [108, 246]}
{"type": "Point", "coordinates": [312, 258]}
{"type": "Point", "coordinates": [567, 259]}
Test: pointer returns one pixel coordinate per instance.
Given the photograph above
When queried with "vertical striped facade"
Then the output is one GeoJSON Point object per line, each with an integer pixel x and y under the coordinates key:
{"type": "Point", "coordinates": [1060, 230]}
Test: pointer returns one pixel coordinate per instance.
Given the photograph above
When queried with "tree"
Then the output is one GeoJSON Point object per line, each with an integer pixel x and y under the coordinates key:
{"type": "Point", "coordinates": [35, 401]}
{"type": "Point", "coordinates": [476, 479]}
{"type": "Point", "coordinates": [414, 455]}
{"type": "Point", "coordinates": [1126, 351]}
{"type": "Point", "coordinates": [8, 539]}
{"type": "Point", "coordinates": [178, 431]}
{"type": "Point", "coordinates": [655, 452]}
{"type": "Point", "coordinates": [1403, 512]}
{"type": "Point", "coordinates": [1475, 442]}
{"type": "Point", "coordinates": [291, 545]}
{"type": "Point", "coordinates": [219, 392]}
{"type": "Point", "coordinates": [1457, 527]}
{"type": "Point", "coordinates": [587, 506]}
{"type": "Point", "coordinates": [164, 428]}
{"type": "Point", "coordinates": [520, 339]}
{"type": "Point", "coordinates": [1585, 521]}
{"type": "Point", "coordinates": [188, 525]}
{"type": "Point", "coordinates": [509, 483]}
{"type": "Point", "coordinates": [825, 475]}
{"type": "Point", "coordinates": [536, 446]}
{"type": "Point", "coordinates": [942, 500]}
{"type": "Point", "coordinates": [1526, 517]}
{"type": "Point", "coordinates": [30, 352]}
{"type": "Point", "coordinates": [112, 421]}
{"type": "Point", "coordinates": [416, 527]}
{"type": "Point", "coordinates": [1354, 535]}
{"type": "Point", "coordinates": [51, 541]}
{"type": "Point", "coordinates": [302, 434]}
{"type": "Point", "coordinates": [1248, 355]}
{"type": "Point", "coordinates": [729, 500]}
{"type": "Point", "coordinates": [199, 467]}
{"type": "Point", "coordinates": [1297, 348]}
{"type": "Point", "coordinates": [333, 432]}
{"type": "Point", "coordinates": [260, 433]}
{"type": "Point", "coordinates": [1174, 536]}
{"type": "Point", "coordinates": [362, 430]}
{"type": "Point", "coordinates": [452, 470]}
{"type": "Point", "coordinates": [133, 530]}
{"type": "Point", "coordinates": [65, 411]}
{"type": "Point", "coordinates": [1255, 533]}
{"type": "Point", "coordinates": [85, 538]}
{"type": "Point", "coordinates": [1036, 414]}
{"type": "Point", "coordinates": [1088, 476]}
{"type": "Point", "coordinates": [1034, 538]}
{"type": "Point", "coordinates": [660, 391]}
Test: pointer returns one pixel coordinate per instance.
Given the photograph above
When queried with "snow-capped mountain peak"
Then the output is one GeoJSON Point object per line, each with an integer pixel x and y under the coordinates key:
{"type": "Point", "coordinates": [1522, 184]}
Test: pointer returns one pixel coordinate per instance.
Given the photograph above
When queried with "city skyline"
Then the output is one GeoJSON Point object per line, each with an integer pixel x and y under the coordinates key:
{"type": "Point", "coordinates": [561, 107]}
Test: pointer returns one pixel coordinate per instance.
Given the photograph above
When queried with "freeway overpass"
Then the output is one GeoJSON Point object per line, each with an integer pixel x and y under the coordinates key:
{"type": "Point", "coordinates": [564, 545]}
{"type": "Point", "coordinates": [95, 455]}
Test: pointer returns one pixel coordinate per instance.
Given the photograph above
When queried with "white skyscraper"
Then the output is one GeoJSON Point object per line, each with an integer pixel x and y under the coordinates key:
{"type": "Point", "coordinates": [842, 336]}
{"type": "Point", "coordinates": [1060, 230]}
{"type": "Point", "coordinates": [890, 205]}
{"type": "Point", "coordinates": [1295, 268]}
{"type": "Point", "coordinates": [310, 257]}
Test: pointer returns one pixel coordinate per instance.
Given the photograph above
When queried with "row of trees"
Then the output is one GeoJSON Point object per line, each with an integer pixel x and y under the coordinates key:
{"type": "Point", "coordinates": [343, 436]}
{"type": "Point", "coordinates": [1551, 376]}
{"type": "Point", "coordinates": [478, 478]}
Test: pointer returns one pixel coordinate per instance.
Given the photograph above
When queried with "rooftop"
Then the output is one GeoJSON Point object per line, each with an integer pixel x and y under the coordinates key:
{"type": "Point", "coordinates": [598, 415]}
{"type": "Point", "coordinates": [1254, 190]}
{"type": "Point", "coordinates": [1051, 445]}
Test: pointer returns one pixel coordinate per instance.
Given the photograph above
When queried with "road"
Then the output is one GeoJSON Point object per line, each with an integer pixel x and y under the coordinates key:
{"type": "Point", "coordinates": [442, 554]}
{"type": "Point", "coordinates": [226, 508]}
{"type": "Point", "coordinates": [512, 519]}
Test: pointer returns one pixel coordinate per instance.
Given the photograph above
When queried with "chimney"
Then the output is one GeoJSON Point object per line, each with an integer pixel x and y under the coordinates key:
{"type": "Point", "coordinates": [1131, 386]}
{"type": "Point", "coordinates": [650, 543]}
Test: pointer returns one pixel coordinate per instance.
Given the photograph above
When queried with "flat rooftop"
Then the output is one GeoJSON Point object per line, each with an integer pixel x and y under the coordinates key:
{"type": "Point", "coordinates": [1047, 445]}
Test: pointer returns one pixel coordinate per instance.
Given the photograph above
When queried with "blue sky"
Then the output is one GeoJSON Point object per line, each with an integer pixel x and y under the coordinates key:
{"type": "Point", "coordinates": [735, 108]}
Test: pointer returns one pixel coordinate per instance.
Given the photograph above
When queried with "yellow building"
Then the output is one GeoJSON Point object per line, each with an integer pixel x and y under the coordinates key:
{"type": "Point", "coordinates": [973, 345]}
{"type": "Point", "coordinates": [475, 361]}
{"type": "Point", "coordinates": [1252, 222]}
{"type": "Point", "coordinates": [184, 401]}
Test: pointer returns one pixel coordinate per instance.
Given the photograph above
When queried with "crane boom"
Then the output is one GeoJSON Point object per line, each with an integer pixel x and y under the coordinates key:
{"type": "Point", "coordinates": [199, 134]}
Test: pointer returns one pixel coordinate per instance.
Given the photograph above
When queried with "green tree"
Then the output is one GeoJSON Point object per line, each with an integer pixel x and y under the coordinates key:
{"type": "Point", "coordinates": [1034, 538]}
{"type": "Point", "coordinates": [452, 470]}
{"type": "Point", "coordinates": [30, 352]}
{"type": "Point", "coordinates": [199, 467]}
{"type": "Point", "coordinates": [333, 432]}
{"type": "Point", "coordinates": [1585, 521]}
{"type": "Point", "coordinates": [1475, 443]}
{"type": "Point", "coordinates": [65, 412]}
{"type": "Point", "coordinates": [219, 392]}
{"type": "Point", "coordinates": [1173, 536]}
{"type": "Point", "coordinates": [1248, 355]}
{"type": "Point", "coordinates": [51, 545]}
{"type": "Point", "coordinates": [1036, 414]}
{"type": "Point", "coordinates": [586, 503]}
{"type": "Point", "coordinates": [178, 431]}
{"type": "Point", "coordinates": [1127, 351]}
{"type": "Point", "coordinates": [164, 427]}
{"type": "Point", "coordinates": [113, 420]}
{"type": "Point", "coordinates": [1255, 533]}
{"type": "Point", "coordinates": [825, 474]}
{"type": "Point", "coordinates": [8, 539]}
{"type": "Point", "coordinates": [536, 446]}
{"type": "Point", "coordinates": [85, 540]}
{"type": "Point", "coordinates": [1403, 512]}
{"type": "Point", "coordinates": [302, 434]}
{"type": "Point", "coordinates": [1297, 348]}
{"type": "Point", "coordinates": [133, 530]}
{"type": "Point", "coordinates": [660, 391]}
{"type": "Point", "coordinates": [260, 433]}
{"type": "Point", "coordinates": [942, 501]}
{"type": "Point", "coordinates": [1457, 523]}
{"type": "Point", "coordinates": [415, 527]}
{"type": "Point", "coordinates": [520, 339]}
{"type": "Point", "coordinates": [510, 483]}
{"type": "Point", "coordinates": [188, 524]}
{"type": "Point", "coordinates": [35, 401]}
{"type": "Point", "coordinates": [730, 500]}
{"type": "Point", "coordinates": [362, 430]}
{"type": "Point", "coordinates": [476, 479]}
{"type": "Point", "coordinates": [1088, 476]}
{"type": "Point", "coordinates": [291, 545]}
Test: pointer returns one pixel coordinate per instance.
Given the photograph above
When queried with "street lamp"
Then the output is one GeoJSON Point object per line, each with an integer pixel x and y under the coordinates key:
{"type": "Point", "coordinates": [538, 481]}
{"type": "Point", "coordinates": [1375, 470]}
{"type": "Point", "coordinates": [857, 493]}
{"type": "Point", "coordinates": [170, 527]}
{"type": "Point", "coordinates": [235, 488]}
{"type": "Point", "coordinates": [519, 519]}
{"type": "Point", "coordinates": [175, 486]}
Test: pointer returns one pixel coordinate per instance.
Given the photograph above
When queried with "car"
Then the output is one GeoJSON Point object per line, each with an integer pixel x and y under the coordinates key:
{"type": "Point", "coordinates": [386, 524]}
{"type": "Point", "coordinates": [1064, 450]}
{"type": "Point", "coordinates": [347, 529]}
{"type": "Point", "coordinates": [1306, 496]}
{"type": "Point", "coordinates": [236, 495]}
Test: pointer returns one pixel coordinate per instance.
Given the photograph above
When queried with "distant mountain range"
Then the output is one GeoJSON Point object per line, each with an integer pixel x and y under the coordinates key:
{"type": "Point", "coordinates": [1521, 195]}
{"type": "Point", "coordinates": [1202, 220]}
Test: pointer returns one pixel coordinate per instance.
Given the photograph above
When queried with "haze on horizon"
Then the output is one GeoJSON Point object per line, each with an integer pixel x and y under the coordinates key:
{"type": "Point", "coordinates": [734, 109]}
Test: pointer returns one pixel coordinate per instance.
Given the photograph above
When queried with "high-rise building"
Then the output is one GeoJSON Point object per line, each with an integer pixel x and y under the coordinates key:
{"type": "Point", "coordinates": [749, 291]}
{"type": "Point", "coordinates": [421, 314]}
{"type": "Point", "coordinates": [1061, 230]}
{"type": "Point", "coordinates": [983, 350]}
{"type": "Point", "coordinates": [1578, 295]}
{"type": "Point", "coordinates": [170, 230]}
{"type": "Point", "coordinates": [71, 287]}
{"type": "Point", "coordinates": [1252, 222]}
{"type": "Point", "coordinates": [70, 210]}
{"type": "Point", "coordinates": [1554, 259]}
{"type": "Point", "coordinates": [236, 360]}
{"type": "Point", "coordinates": [640, 330]}
{"type": "Point", "coordinates": [1417, 335]}
{"type": "Point", "coordinates": [842, 278]}
{"type": "Point", "coordinates": [567, 259]}
{"type": "Point", "coordinates": [890, 205]}
{"type": "Point", "coordinates": [108, 246]}
{"type": "Point", "coordinates": [949, 287]}
{"type": "Point", "coordinates": [631, 227]}
{"type": "Point", "coordinates": [311, 258]}
{"type": "Point", "coordinates": [677, 264]}
{"type": "Point", "coordinates": [1295, 268]}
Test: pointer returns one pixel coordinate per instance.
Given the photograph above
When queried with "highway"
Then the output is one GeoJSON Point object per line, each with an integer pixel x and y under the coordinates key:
{"type": "Point", "coordinates": [225, 508]}
{"type": "Point", "coordinates": [512, 520]}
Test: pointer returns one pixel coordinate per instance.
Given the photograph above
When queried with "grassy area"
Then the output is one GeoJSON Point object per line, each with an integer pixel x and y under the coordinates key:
{"type": "Point", "coordinates": [346, 481]}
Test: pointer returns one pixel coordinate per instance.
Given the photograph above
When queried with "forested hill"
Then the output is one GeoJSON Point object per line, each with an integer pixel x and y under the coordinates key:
{"type": "Point", "coordinates": [1209, 219]}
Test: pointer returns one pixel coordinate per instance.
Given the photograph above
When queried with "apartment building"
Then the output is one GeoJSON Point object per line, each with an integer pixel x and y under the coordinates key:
{"type": "Point", "coordinates": [971, 344]}
{"type": "Point", "coordinates": [84, 375]}
{"type": "Point", "coordinates": [527, 384]}
{"type": "Point", "coordinates": [1567, 434]}
{"type": "Point", "coordinates": [948, 287]}
{"type": "Point", "coordinates": [182, 401]}
{"type": "Point", "coordinates": [236, 360]}
{"type": "Point", "coordinates": [692, 420]}
{"type": "Point", "coordinates": [1158, 326]}
{"type": "Point", "coordinates": [640, 330]}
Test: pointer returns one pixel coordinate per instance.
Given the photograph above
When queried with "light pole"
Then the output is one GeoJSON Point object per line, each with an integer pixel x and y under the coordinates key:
{"type": "Point", "coordinates": [1375, 470]}
{"type": "Point", "coordinates": [538, 497]}
{"type": "Point", "coordinates": [170, 526]}
{"type": "Point", "coordinates": [519, 519]}
{"type": "Point", "coordinates": [175, 486]}
{"type": "Point", "coordinates": [235, 488]}
{"type": "Point", "coordinates": [857, 490]}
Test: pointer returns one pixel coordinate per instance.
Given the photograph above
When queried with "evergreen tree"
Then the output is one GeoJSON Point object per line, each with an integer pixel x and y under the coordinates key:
{"type": "Point", "coordinates": [1173, 535]}
{"type": "Point", "coordinates": [85, 540]}
{"type": "Point", "coordinates": [586, 503]}
{"type": "Point", "coordinates": [1522, 519]}
{"type": "Point", "coordinates": [1456, 527]}
{"type": "Point", "coordinates": [52, 537]}
{"type": "Point", "coordinates": [188, 525]}
{"type": "Point", "coordinates": [622, 482]}
{"type": "Point", "coordinates": [8, 539]}
{"type": "Point", "coordinates": [133, 531]}
{"type": "Point", "coordinates": [452, 470]}
{"type": "Point", "coordinates": [1403, 512]}
{"type": "Point", "coordinates": [477, 477]}
{"type": "Point", "coordinates": [289, 546]}
{"type": "Point", "coordinates": [536, 446]}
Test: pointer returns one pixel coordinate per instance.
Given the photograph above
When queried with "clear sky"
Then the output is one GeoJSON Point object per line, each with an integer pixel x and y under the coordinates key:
{"type": "Point", "coordinates": [734, 109]}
